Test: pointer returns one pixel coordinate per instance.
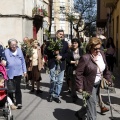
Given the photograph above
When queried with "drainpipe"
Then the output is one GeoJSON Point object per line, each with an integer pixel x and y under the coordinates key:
{"type": "Point", "coordinates": [23, 13]}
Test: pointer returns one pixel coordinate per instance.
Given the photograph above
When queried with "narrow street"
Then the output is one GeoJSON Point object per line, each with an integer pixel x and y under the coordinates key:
{"type": "Point", "coordinates": [38, 108]}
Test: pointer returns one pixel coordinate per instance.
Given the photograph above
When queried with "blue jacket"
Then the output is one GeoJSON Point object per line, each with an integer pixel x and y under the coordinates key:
{"type": "Point", "coordinates": [15, 64]}
{"type": "Point", "coordinates": [2, 53]}
{"type": "Point", "coordinates": [51, 56]}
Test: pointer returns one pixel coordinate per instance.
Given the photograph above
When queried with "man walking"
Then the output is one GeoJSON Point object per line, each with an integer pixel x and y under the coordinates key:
{"type": "Point", "coordinates": [53, 59]}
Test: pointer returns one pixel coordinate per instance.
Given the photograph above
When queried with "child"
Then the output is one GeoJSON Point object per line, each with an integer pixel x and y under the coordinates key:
{"type": "Point", "coordinates": [3, 96]}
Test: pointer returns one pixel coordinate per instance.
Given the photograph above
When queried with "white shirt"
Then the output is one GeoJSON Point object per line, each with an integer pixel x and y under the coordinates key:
{"type": "Point", "coordinates": [35, 58]}
{"type": "Point", "coordinates": [99, 61]}
{"type": "Point", "coordinates": [14, 53]}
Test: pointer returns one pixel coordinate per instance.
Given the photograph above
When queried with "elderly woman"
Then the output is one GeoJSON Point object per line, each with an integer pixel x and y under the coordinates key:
{"type": "Point", "coordinates": [89, 74]}
{"type": "Point", "coordinates": [15, 68]}
{"type": "Point", "coordinates": [36, 65]}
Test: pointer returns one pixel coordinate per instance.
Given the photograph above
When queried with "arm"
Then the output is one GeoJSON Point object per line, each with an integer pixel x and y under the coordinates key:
{"type": "Point", "coordinates": [23, 62]}
{"type": "Point", "coordinates": [79, 73]}
{"type": "Point", "coordinates": [65, 53]}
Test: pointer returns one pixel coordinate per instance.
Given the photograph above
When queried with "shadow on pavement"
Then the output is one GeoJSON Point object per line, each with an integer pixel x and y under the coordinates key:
{"type": "Point", "coordinates": [64, 114]}
{"type": "Point", "coordinates": [114, 100]}
{"type": "Point", "coordinates": [66, 96]}
{"type": "Point", "coordinates": [117, 77]}
{"type": "Point", "coordinates": [42, 84]}
{"type": "Point", "coordinates": [115, 118]}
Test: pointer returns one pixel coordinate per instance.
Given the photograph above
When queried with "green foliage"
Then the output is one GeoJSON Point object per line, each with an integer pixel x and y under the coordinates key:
{"type": "Point", "coordinates": [85, 95]}
{"type": "Point", "coordinates": [70, 18]}
{"type": "Point", "coordinates": [27, 49]}
{"type": "Point", "coordinates": [54, 45]}
{"type": "Point", "coordinates": [113, 77]}
{"type": "Point", "coordinates": [83, 46]}
{"type": "Point", "coordinates": [44, 13]}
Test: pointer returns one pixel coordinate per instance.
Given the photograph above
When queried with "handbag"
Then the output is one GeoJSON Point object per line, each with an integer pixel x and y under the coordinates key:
{"type": "Point", "coordinates": [11, 86]}
{"type": "Point", "coordinates": [104, 83]}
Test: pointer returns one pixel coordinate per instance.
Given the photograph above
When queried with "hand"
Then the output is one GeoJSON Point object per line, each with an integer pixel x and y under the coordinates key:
{"type": "Point", "coordinates": [3, 62]}
{"type": "Point", "coordinates": [76, 63]}
{"type": "Point", "coordinates": [56, 52]}
{"type": "Point", "coordinates": [25, 74]}
{"type": "Point", "coordinates": [110, 84]}
{"type": "Point", "coordinates": [58, 57]}
{"type": "Point", "coordinates": [80, 90]}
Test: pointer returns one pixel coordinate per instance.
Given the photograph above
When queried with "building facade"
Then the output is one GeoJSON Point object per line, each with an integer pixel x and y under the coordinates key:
{"type": "Point", "coordinates": [111, 9]}
{"type": "Point", "coordinates": [60, 7]}
{"type": "Point", "coordinates": [22, 18]}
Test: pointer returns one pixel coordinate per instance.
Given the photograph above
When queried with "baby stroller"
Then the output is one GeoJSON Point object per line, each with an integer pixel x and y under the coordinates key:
{"type": "Point", "coordinates": [5, 109]}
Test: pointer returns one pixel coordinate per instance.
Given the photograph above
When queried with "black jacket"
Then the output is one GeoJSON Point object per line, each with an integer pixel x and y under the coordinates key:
{"type": "Point", "coordinates": [2, 53]}
{"type": "Point", "coordinates": [72, 67]}
{"type": "Point", "coordinates": [51, 55]}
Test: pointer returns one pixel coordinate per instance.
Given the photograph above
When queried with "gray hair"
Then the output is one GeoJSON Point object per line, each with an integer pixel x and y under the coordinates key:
{"type": "Point", "coordinates": [12, 39]}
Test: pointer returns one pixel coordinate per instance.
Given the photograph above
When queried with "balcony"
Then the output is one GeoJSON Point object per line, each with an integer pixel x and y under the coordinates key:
{"type": "Point", "coordinates": [39, 12]}
{"type": "Point", "coordinates": [110, 3]}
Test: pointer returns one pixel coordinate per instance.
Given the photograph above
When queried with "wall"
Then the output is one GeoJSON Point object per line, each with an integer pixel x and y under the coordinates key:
{"type": "Point", "coordinates": [10, 28]}
{"type": "Point", "coordinates": [116, 34]}
{"type": "Point", "coordinates": [15, 27]}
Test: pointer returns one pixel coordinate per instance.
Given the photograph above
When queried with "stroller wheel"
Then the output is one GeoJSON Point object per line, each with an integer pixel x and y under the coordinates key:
{"type": "Point", "coordinates": [11, 118]}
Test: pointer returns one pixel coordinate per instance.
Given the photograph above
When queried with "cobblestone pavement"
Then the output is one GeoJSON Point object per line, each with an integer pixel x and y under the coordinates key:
{"type": "Point", "coordinates": [38, 108]}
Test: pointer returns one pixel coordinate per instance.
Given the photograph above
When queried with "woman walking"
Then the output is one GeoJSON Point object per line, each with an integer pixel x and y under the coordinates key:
{"type": "Point", "coordinates": [73, 58]}
{"type": "Point", "coordinates": [15, 68]}
{"type": "Point", "coordinates": [36, 65]}
{"type": "Point", "coordinates": [89, 73]}
{"type": "Point", "coordinates": [110, 54]}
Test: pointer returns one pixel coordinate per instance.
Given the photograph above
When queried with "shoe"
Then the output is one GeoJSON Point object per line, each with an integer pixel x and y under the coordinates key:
{"type": "Point", "coordinates": [57, 100]}
{"type": "Point", "coordinates": [104, 109]}
{"type": "Point", "coordinates": [32, 90]}
{"type": "Point", "coordinates": [50, 99]}
{"type": "Point", "coordinates": [19, 106]}
{"type": "Point", "coordinates": [77, 115]}
{"type": "Point", "coordinates": [74, 98]}
{"type": "Point", "coordinates": [39, 91]}
{"type": "Point", "coordinates": [13, 107]}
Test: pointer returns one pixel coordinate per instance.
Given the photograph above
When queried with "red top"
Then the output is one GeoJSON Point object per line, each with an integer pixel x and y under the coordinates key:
{"type": "Point", "coordinates": [2, 93]}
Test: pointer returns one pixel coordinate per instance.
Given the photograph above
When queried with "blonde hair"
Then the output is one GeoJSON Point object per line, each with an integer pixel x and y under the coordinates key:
{"type": "Point", "coordinates": [93, 42]}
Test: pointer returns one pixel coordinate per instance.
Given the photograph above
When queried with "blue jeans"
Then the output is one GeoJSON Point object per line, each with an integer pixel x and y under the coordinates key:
{"type": "Point", "coordinates": [56, 82]}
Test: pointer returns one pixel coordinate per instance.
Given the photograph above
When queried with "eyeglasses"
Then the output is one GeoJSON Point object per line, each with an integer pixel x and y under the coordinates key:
{"type": "Point", "coordinates": [96, 49]}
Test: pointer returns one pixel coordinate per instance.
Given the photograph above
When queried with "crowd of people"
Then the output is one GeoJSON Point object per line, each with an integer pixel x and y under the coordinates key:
{"type": "Point", "coordinates": [85, 68]}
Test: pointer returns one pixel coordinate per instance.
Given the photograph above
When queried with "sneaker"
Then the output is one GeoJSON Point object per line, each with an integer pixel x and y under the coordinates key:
{"type": "Point", "coordinates": [32, 90]}
{"type": "Point", "coordinates": [50, 99]}
{"type": "Point", "coordinates": [13, 107]}
{"type": "Point", "coordinates": [74, 98]}
{"type": "Point", "coordinates": [39, 91]}
{"type": "Point", "coordinates": [77, 115]}
{"type": "Point", "coordinates": [19, 106]}
{"type": "Point", "coordinates": [57, 100]}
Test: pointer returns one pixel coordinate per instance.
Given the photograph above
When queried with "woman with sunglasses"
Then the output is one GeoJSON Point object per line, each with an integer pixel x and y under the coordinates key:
{"type": "Point", "coordinates": [89, 73]}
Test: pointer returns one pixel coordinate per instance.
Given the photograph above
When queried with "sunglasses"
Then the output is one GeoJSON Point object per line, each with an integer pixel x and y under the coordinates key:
{"type": "Point", "coordinates": [96, 48]}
